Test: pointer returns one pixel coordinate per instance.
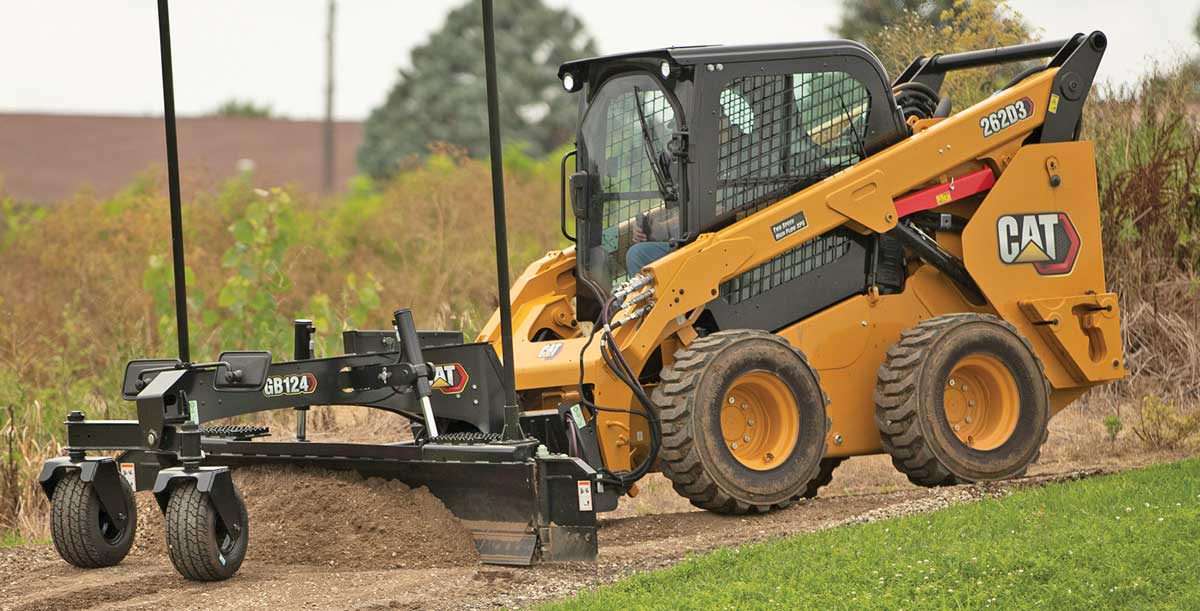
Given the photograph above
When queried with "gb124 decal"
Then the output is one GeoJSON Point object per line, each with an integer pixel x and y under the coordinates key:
{"type": "Point", "coordinates": [1006, 117]}
{"type": "Point", "coordinates": [295, 384]}
{"type": "Point", "coordinates": [1046, 240]}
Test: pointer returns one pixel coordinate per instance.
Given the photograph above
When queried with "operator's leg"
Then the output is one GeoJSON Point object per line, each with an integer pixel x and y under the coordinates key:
{"type": "Point", "coordinates": [644, 253]}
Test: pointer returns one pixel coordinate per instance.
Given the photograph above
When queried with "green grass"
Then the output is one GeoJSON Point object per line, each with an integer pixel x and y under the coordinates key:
{"type": "Point", "coordinates": [10, 539]}
{"type": "Point", "coordinates": [1127, 541]}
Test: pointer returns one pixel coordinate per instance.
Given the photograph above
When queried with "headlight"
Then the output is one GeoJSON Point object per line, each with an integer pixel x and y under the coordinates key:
{"type": "Point", "coordinates": [568, 82]}
{"type": "Point", "coordinates": [665, 69]}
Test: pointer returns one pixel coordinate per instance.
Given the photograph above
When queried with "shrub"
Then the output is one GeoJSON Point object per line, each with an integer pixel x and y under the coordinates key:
{"type": "Point", "coordinates": [1162, 426]}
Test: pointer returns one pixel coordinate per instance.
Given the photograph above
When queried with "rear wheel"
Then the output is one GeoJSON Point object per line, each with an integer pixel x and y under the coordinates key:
{"type": "Point", "coordinates": [824, 476]}
{"type": "Point", "coordinates": [962, 397]}
{"type": "Point", "coordinates": [743, 420]}
{"type": "Point", "coordinates": [201, 546]}
{"type": "Point", "coordinates": [83, 533]}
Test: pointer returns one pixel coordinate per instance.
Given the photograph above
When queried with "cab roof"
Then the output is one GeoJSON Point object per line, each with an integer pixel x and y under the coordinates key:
{"type": "Point", "coordinates": [705, 54]}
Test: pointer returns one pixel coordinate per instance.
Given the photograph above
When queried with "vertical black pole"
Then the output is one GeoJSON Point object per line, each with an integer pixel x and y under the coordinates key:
{"type": "Point", "coordinates": [327, 161]}
{"type": "Point", "coordinates": [181, 315]}
{"type": "Point", "coordinates": [512, 426]}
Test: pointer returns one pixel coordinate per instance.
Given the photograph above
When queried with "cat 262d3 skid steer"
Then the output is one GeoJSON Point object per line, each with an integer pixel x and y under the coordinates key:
{"type": "Point", "coordinates": [781, 260]}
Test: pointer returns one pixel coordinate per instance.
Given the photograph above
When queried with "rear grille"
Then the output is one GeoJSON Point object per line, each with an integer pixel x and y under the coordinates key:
{"type": "Point", "coordinates": [803, 259]}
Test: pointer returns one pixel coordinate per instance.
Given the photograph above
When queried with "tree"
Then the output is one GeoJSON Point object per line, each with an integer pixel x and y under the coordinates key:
{"type": "Point", "coordinates": [965, 26]}
{"type": "Point", "coordinates": [441, 97]}
{"type": "Point", "coordinates": [243, 108]}
{"type": "Point", "coordinates": [862, 18]}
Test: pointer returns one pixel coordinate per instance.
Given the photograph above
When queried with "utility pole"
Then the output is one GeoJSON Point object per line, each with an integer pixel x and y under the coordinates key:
{"type": "Point", "coordinates": [327, 161]}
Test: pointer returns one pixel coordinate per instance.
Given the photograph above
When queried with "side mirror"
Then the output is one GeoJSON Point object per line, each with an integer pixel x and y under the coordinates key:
{"type": "Point", "coordinates": [136, 377]}
{"type": "Point", "coordinates": [581, 194]}
{"type": "Point", "coordinates": [246, 371]}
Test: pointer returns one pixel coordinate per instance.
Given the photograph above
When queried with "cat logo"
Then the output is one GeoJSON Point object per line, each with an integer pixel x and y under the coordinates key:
{"type": "Point", "coordinates": [450, 378]}
{"type": "Point", "coordinates": [1047, 240]}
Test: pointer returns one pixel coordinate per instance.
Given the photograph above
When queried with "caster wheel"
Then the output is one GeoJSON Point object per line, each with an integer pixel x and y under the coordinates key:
{"type": "Point", "coordinates": [83, 533]}
{"type": "Point", "coordinates": [202, 547]}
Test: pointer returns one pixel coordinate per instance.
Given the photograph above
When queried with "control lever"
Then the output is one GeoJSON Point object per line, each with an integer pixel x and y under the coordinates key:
{"type": "Point", "coordinates": [410, 352]}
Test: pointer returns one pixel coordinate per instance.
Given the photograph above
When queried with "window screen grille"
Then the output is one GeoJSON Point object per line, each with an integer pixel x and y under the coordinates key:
{"type": "Point", "coordinates": [779, 134]}
{"type": "Point", "coordinates": [628, 186]}
{"type": "Point", "coordinates": [805, 258]}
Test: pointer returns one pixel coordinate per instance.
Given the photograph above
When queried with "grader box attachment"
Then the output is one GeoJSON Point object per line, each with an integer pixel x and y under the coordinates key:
{"type": "Point", "coordinates": [780, 260]}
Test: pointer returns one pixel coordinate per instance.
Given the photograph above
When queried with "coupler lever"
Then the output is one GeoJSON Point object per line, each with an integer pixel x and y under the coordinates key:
{"type": "Point", "coordinates": [410, 352]}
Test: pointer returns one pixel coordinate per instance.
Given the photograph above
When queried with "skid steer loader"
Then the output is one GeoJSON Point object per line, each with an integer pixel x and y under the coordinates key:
{"type": "Point", "coordinates": [780, 261]}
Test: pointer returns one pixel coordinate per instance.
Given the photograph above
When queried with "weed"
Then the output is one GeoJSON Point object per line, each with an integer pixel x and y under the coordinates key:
{"type": "Point", "coordinates": [1113, 427]}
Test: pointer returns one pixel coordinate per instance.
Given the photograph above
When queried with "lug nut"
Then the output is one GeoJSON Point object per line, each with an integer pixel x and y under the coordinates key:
{"type": "Point", "coordinates": [958, 427]}
{"type": "Point", "coordinates": [968, 420]}
{"type": "Point", "coordinates": [735, 445]}
{"type": "Point", "coordinates": [732, 401]}
{"type": "Point", "coordinates": [746, 438]}
{"type": "Point", "coordinates": [750, 422]}
{"type": "Point", "coordinates": [964, 388]}
{"type": "Point", "coordinates": [744, 406]}
{"type": "Point", "coordinates": [952, 382]}
{"type": "Point", "coordinates": [970, 402]}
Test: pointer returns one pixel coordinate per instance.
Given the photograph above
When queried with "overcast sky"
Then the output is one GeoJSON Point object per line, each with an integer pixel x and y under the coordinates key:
{"type": "Point", "coordinates": [84, 56]}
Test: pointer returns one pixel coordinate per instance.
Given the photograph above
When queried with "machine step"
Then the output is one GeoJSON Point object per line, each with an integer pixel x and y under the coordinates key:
{"type": "Point", "coordinates": [237, 432]}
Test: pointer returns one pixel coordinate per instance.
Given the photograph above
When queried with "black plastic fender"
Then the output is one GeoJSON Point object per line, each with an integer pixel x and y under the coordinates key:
{"type": "Point", "coordinates": [214, 482]}
{"type": "Point", "coordinates": [102, 473]}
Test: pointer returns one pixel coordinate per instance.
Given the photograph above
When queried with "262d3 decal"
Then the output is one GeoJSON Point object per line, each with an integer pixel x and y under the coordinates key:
{"type": "Point", "coordinates": [1047, 240]}
{"type": "Point", "coordinates": [1006, 117]}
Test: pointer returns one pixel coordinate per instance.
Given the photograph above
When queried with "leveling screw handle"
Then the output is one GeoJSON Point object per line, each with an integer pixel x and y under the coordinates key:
{"type": "Point", "coordinates": [410, 352]}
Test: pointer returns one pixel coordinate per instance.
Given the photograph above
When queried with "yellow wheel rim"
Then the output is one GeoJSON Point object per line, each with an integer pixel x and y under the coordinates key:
{"type": "Point", "coordinates": [982, 402]}
{"type": "Point", "coordinates": [759, 420]}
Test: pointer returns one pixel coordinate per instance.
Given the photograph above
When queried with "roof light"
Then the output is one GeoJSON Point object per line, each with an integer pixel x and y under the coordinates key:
{"type": "Point", "coordinates": [665, 69]}
{"type": "Point", "coordinates": [568, 82]}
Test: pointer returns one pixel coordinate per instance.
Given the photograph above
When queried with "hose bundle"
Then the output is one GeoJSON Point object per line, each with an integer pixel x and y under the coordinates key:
{"type": "Point", "coordinates": [916, 100]}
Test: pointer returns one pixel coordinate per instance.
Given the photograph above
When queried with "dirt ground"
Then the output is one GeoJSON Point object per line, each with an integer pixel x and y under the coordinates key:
{"type": "Point", "coordinates": [340, 567]}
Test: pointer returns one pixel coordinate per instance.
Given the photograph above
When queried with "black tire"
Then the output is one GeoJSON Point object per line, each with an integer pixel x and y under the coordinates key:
{"type": "Point", "coordinates": [910, 408]}
{"type": "Point", "coordinates": [824, 476]}
{"type": "Point", "coordinates": [694, 454]}
{"type": "Point", "coordinates": [83, 533]}
{"type": "Point", "coordinates": [200, 546]}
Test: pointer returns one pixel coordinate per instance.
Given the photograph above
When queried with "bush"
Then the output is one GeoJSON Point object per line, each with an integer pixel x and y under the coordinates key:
{"type": "Point", "coordinates": [86, 284]}
{"type": "Point", "coordinates": [1162, 426]}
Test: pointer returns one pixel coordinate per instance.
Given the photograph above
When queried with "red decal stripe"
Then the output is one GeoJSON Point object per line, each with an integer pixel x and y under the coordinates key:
{"type": "Point", "coordinates": [963, 186]}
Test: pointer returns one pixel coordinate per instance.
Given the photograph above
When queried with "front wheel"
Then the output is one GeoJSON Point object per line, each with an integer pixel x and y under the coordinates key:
{"type": "Point", "coordinates": [83, 532]}
{"type": "Point", "coordinates": [201, 546]}
{"type": "Point", "coordinates": [743, 420]}
{"type": "Point", "coordinates": [962, 397]}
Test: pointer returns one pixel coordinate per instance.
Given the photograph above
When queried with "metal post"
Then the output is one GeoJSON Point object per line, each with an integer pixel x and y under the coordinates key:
{"type": "Point", "coordinates": [303, 350]}
{"type": "Point", "coordinates": [181, 315]}
{"type": "Point", "coordinates": [512, 425]}
{"type": "Point", "coordinates": [327, 160]}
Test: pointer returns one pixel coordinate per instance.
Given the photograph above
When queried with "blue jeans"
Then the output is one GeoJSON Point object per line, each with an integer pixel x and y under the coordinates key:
{"type": "Point", "coordinates": [644, 253]}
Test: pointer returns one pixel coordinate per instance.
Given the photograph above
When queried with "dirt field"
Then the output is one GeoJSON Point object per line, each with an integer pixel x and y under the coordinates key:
{"type": "Point", "coordinates": [339, 566]}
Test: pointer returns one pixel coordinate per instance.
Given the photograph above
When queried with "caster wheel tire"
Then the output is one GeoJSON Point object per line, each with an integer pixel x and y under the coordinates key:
{"type": "Point", "coordinates": [201, 546]}
{"type": "Point", "coordinates": [83, 533]}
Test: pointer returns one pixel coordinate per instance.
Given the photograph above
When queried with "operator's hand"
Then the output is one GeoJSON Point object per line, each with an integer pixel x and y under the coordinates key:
{"type": "Point", "coordinates": [638, 236]}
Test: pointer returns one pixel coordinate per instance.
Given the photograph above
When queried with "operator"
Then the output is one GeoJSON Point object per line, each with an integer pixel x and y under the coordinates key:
{"type": "Point", "coordinates": [646, 250]}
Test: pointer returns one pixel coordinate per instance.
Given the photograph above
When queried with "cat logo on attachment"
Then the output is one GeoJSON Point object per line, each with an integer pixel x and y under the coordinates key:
{"type": "Point", "coordinates": [1046, 240]}
{"type": "Point", "coordinates": [450, 378]}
